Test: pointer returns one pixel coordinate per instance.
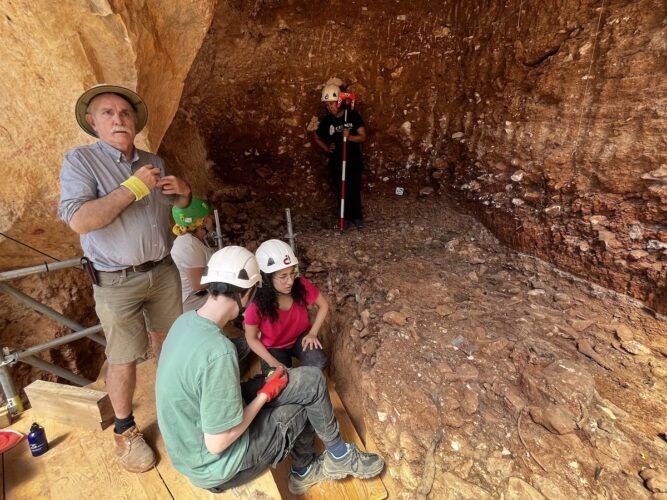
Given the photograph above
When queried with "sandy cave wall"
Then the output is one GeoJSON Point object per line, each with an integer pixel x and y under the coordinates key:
{"type": "Point", "coordinates": [49, 56]}
{"type": "Point", "coordinates": [458, 97]}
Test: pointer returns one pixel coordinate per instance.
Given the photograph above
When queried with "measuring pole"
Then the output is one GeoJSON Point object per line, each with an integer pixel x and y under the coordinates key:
{"type": "Point", "coordinates": [347, 99]}
{"type": "Point", "coordinates": [341, 222]}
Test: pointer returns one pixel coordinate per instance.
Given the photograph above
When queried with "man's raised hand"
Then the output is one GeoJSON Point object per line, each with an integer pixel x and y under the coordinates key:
{"type": "Point", "coordinates": [149, 175]}
{"type": "Point", "coordinates": [171, 184]}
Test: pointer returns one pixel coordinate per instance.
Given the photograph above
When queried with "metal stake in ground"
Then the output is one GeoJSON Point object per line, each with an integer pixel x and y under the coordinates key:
{"type": "Point", "coordinates": [347, 99]}
{"type": "Point", "coordinates": [291, 235]}
{"type": "Point", "coordinates": [218, 230]}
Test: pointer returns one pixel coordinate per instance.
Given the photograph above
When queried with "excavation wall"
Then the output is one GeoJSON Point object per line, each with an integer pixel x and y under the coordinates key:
{"type": "Point", "coordinates": [550, 123]}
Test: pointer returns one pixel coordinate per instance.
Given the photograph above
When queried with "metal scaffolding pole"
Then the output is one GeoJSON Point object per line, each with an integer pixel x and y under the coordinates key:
{"type": "Point", "coordinates": [65, 339]}
{"type": "Point", "coordinates": [27, 271]}
{"type": "Point", "coordinates": [27, 355]}
{"type": "Point", "coordinates": [47, 311]}
{"type": "Point", "coordinates": [61, 372]}
{"type": "Point", "coordinates": [14, 403]}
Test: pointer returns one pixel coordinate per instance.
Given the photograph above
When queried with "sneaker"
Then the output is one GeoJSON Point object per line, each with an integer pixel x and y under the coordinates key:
{"type": "Point", "coordinates": [355, 463]}
{"type": "Point", "coordinates": [133, 451]}
{"type": "Point", "coordinates": [298, 485]}
{"type": "Point", "coordinates": [359, 223]}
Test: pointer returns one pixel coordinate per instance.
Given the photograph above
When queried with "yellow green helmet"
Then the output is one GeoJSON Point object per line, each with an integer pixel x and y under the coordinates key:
{"type": "Point", "coordinates": [198, 209]}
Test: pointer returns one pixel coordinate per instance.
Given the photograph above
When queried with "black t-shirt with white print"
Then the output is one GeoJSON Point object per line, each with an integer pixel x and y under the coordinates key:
{"type": "Point", "coordinates": [330, 130]}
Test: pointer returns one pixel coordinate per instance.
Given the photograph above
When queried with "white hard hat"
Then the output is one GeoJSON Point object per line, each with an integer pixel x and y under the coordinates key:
{"type": "Point", "coordinates": [330, 93]}
{"type": "Point", "coordinates": [234, 266]}
{"type": "Point", "coordinates": [274, 255]}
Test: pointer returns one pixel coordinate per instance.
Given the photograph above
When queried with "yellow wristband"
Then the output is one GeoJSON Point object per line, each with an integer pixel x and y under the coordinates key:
{"type": "Point", "coordinates": [137, 186]}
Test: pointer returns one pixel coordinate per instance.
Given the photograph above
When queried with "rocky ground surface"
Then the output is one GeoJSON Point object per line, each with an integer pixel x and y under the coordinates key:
{"type": "Point", "coordinates": [476, 371]}
{"type": "Point", "coordinates": [481, 372]}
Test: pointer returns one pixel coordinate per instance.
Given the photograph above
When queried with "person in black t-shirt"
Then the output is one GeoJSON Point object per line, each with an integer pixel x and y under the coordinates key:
{"type": "Point", "coordinates": [329, 137]}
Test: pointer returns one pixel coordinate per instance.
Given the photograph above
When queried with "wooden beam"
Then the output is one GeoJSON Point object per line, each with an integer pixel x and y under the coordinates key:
{"type": "Point", "coordinates": [76, 406]}
{"type": "Point", "coordinates": [5, 417]}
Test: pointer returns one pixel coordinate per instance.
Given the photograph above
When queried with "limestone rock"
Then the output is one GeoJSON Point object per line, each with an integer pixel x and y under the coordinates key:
{"type": "Point", "coordinates": [453, 420]}
{"type": "Point", "coordinates": [409, 476]}
{"type": "Point", "coordinates": [470, 401]}
{"type": "Point", "coordinates": [636, 348]}
{"type": "Point", "coordinates": [552, 490]}
{"type": "Point", "coordinates": [637, 254]}
{"type": "Point", "coordinates": [608, 240]}
{"type": "Point", "coordinates": [581, 325]}
{"type": "Point", "coordinates": [518, 489]}
{"type": "Point", "coordinates": [624, 333]}
{"type": "Point", "coordinates": [370, 347]}
{"type": "Point", "coordinates": [467, 371]}
{"type": "Point", "coordinates": [365, 317]}
{"type": "Point", "coordinates": [554, 418]}
{"type": "Point", "coordinates": [411, 448]}
{"type": "Point", "coordinates": [444, 310]}
{"type": "Point", "coordinates": [457, 488]}
{"type": "Point", "coordinates": [655, 480]}
{"type": "Point", "coordinates": [394, 318]}
{"type": "Point", "coordinates": [518, 175]}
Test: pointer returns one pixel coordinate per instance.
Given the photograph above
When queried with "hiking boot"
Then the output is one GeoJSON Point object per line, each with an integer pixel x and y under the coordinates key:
{"type": "Point", "coordinates": [355, 463]}
{"type": "Point", "coordinates": [298, 485]}
{"type": "Point", "coordinates": [133, 451]}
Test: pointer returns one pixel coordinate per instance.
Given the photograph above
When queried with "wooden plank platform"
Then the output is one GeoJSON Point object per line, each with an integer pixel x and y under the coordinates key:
{"type": "Point", "coordinates": [348, 488]}
{"type": "Point", "coordinates": [80, 463]}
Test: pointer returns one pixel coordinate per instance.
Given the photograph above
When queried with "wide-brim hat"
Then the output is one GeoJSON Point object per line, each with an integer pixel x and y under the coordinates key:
{"type": "Point", "coordinates": [140, 109]}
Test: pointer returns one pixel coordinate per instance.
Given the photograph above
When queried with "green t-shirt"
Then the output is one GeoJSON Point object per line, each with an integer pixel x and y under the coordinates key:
{"type": "Point", "coordinates": [197, 390]}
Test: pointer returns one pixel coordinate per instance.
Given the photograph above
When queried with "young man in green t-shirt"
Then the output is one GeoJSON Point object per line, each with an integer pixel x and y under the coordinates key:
{"type": "Point", "coordinates": [221, 433]}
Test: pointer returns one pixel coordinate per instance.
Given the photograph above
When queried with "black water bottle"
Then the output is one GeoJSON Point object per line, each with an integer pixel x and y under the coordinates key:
{"type": "Point", "coordinates": [37, 440]}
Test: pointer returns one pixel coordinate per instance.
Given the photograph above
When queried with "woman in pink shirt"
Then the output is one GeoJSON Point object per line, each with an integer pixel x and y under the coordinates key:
{"type": "Point", "coordinates": [277, 325]}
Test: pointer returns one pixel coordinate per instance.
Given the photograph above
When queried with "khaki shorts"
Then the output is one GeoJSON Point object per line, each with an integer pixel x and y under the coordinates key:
{"type": "Point", "coordinates": [131, 305]}
{"type": "Point", "coordinates": [194, 302]}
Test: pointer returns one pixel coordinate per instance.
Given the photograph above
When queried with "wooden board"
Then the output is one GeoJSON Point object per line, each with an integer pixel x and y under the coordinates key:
{"type": "Point", "coordinates": [348, 488]}
{"type": "Point", "coordinates": [5, 417]}
{"type": "Point", "coordinates": [76, 406]}
{"type": "Point", "coordinates": [79, 464]}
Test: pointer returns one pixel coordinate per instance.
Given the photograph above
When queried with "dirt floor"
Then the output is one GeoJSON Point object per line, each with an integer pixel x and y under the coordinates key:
{"type": "Point", "coordinates": [479, 371]}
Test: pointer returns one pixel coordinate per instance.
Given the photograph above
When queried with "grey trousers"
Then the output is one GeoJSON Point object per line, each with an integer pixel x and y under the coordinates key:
{"type": "Point", "coordinates": [287, 424]}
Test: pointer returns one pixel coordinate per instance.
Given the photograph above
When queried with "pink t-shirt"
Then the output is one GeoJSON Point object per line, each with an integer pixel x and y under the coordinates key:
{"type": "Point", "coordinates": [289, 325]}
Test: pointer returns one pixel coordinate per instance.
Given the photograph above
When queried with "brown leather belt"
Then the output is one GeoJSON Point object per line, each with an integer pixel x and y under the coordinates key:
{"type": "Point", "coordinates": [141, 268]}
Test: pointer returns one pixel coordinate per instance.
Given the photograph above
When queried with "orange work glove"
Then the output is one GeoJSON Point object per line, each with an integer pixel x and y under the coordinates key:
{"type": "Point", "coordinates": [274, 384]}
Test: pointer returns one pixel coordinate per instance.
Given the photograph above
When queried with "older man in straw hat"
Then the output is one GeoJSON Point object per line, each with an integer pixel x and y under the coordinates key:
{"type": "Point", "coordinates": [117, 198]}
